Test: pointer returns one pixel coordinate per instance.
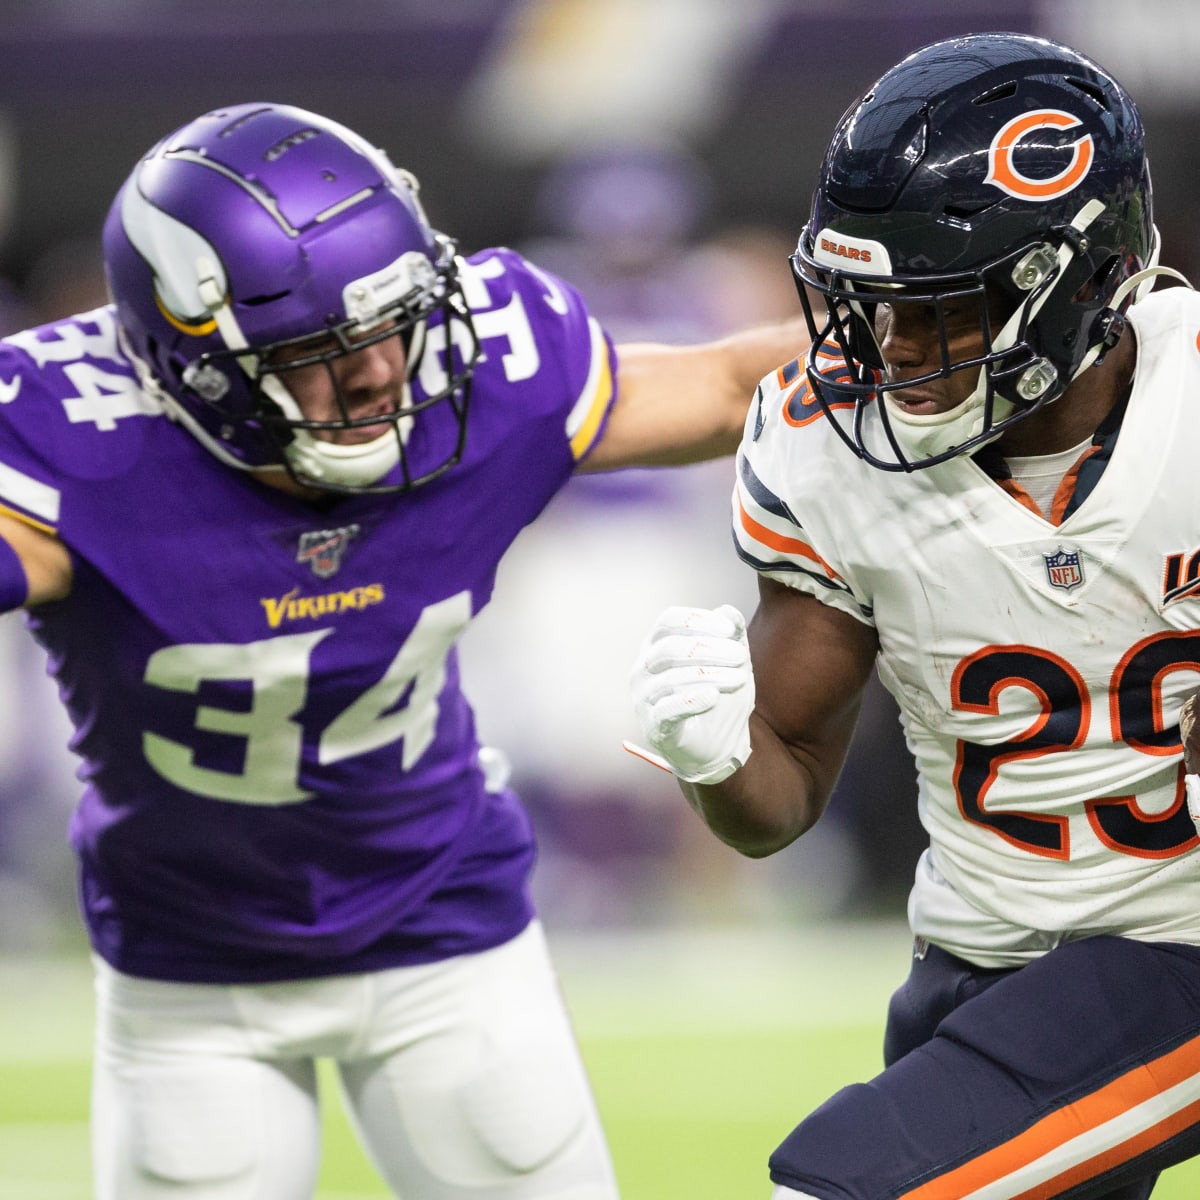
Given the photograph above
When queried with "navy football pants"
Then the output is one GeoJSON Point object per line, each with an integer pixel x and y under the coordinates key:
{"type": "Point", "coordinates": [1077, 1075]}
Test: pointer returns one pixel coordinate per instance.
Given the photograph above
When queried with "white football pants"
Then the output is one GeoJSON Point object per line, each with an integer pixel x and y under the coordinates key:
{"type": "Point", "coordinates": [462, 1078]}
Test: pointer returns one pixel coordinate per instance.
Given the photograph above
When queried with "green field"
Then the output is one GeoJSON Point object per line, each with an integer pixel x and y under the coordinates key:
{"type": "Point", "coordinates": [704, 1050]}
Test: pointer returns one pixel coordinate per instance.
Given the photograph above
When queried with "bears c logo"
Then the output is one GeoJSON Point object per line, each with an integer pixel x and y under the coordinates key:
{"type": "Point", "coordinates": [1002, 172]}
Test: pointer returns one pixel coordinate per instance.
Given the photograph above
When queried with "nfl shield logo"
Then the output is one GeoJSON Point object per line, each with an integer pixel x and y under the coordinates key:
{"type": "Point", "coordinates": [1064, 569]}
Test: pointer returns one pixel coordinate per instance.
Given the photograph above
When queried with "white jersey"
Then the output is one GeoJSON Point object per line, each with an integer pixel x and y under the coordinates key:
{"type": "Point", "coordinates": [1039, 666]}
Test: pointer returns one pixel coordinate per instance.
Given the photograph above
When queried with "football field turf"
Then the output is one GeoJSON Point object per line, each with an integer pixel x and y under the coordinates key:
{"type": "Point", "coordinates": [704, 1049]}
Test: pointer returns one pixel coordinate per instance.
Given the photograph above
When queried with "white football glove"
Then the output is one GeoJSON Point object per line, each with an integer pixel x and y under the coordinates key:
{"type": "Point", "coordinates": [693, 692]}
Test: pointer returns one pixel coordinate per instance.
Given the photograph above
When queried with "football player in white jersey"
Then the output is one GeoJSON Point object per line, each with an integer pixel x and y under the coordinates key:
{"type": "Point", "coordinates": [982, 479]}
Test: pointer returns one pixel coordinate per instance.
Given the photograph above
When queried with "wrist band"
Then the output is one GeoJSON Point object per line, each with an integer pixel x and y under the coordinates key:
{"type": "Point", "coordinates": [14, 584]}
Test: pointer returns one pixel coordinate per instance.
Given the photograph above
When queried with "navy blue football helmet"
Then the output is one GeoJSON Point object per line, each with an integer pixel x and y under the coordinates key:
{"type": "Point", "coordinates": [261, 239]}
{"type": "Point", "coordinates": [997, 170]}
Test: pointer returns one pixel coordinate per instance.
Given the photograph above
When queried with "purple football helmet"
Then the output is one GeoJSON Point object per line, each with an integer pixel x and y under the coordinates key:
{"type": "Point", "coordinates": [262, 239]}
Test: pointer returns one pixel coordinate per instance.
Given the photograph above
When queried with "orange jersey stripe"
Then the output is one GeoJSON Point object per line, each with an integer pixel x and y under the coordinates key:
{"type": "Point", "coordinates": [785, 545]}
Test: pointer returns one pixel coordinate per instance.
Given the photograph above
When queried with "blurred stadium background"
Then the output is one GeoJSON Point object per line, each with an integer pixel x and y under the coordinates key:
{"type": "Point", "coordinates": [660, 154]}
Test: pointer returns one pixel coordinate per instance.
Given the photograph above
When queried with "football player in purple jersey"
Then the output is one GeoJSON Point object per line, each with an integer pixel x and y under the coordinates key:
{"type": "Point", "coordinates": [1007, 418]}
{"type": "Point", "coordinates": [249, 507]}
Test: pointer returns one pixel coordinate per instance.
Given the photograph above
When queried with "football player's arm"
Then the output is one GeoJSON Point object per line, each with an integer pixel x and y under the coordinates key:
{"type": "Point", "coordinates": [810, 663]}
{"type": "Point", "coordinates": [35, 567]}
{"type": "Point", "coordinates": [681, 404]}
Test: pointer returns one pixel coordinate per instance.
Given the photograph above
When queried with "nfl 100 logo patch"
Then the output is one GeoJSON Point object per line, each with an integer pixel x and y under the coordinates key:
{"type": "Point", "coordinates": [1064, 569]}
{"type": "Point", "coordinates": [324, 549]}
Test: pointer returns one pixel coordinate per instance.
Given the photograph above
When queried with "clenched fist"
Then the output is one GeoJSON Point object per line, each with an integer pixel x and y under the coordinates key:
{"type": "Point", "coordinates": [693, 692]}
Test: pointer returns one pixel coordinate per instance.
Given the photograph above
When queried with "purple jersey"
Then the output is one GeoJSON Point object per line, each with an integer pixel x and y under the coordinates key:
{"type": "Point", "coordinates": [281, 771]}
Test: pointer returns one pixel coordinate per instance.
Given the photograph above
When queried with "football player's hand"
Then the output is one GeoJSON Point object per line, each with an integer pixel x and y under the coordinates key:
{"type": "Point", "coordinates": [1190, 734]}
{"type": "Point", "coordinates": [693, 692]}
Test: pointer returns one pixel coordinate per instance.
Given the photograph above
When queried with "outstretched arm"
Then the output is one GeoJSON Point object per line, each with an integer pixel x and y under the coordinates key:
{"type": "Point", "coordinates": [757, 751]}
{"type": "Point", "coordinates": [682, 404]}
